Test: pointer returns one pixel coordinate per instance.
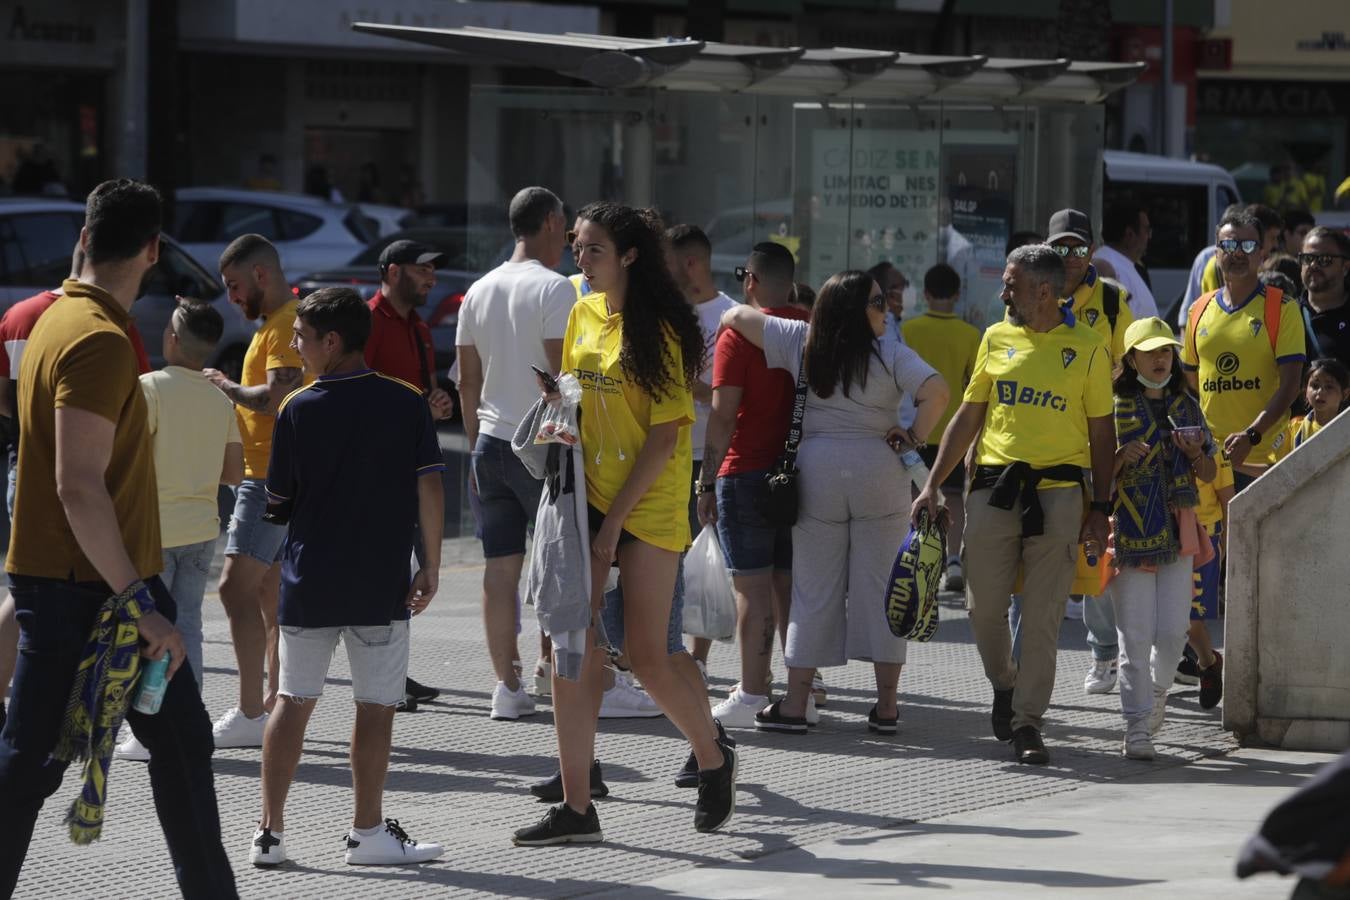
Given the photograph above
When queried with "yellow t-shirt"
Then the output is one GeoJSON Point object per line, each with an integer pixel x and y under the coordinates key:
{"type": "Point", "coordinates": [1238, 374]}
{"type": "Point", "coordinates": [616, 417]}
{"type": "Point", "coordinates": [1087, 305]}
{"type": "Point", "coordinates": [949, 345]}
{"type": "Point", "coordinates": [1210, 279]}
{"type": "Point", "coordinates": [269, 349]}
{"type": "Point", "coordinates": [1041, 389]}
{"type": "Point", "coordinates": [1296, 432]}
{"type": "Point", "coordinates": [191, 421]}
{"type": "Point", "coordinates": [1210, 509]}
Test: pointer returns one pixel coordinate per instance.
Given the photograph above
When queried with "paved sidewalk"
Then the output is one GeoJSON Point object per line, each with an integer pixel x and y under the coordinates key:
{"type": "Point", "coordinates": [457, 777]}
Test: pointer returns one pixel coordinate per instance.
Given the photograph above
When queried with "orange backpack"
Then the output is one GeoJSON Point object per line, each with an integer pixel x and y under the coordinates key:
{"type": "Point", "coordinates": [1274, 297]}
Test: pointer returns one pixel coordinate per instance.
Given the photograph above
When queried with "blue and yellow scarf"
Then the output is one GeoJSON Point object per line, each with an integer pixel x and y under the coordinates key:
{"type": "Point", "coordinates": [98, 702]}
{"type": "Point", "coordinates": [1150, 491]}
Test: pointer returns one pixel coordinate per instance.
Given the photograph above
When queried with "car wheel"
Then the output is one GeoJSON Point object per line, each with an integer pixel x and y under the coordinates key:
{"type": "Point", "coordinates": [231, 362]}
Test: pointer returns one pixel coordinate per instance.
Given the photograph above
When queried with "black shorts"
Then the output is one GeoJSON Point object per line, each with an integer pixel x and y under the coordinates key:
{"type": "Point", "coordinates": [955, 481]}
{"type": "Point", "coordinates": [595, 518]}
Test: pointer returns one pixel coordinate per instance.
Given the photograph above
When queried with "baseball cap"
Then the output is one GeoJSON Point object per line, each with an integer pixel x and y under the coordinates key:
{"type": "Point", "coordinates": [404, 252]}
{"type": "Point", "coordinates": [1069, 223]}
{"type": "Point", "coordinates": [1150, 334]}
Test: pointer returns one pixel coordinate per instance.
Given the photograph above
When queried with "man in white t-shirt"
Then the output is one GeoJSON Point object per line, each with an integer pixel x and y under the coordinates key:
{"type": "Point", "coordinates": [512, 318]}
{"type": "Point", "coordinates": [1125, 233]}
{"type": "Point", "coordinates": [689, 256]}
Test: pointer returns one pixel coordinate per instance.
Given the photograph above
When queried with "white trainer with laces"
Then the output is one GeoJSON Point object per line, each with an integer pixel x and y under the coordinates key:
{"type": "Point", "coordinates": [1101, 676]}
{"type": "Point", "coordinates": [627, 701]}
{"type": "Point", "coordinates": [738, 710]}
{"type": "Point", "coordinates": [131, 749]}
{"type": "Point", "coordinates": [387, 845]}
{"type": "Point", "coordinates": [509, 704]}
{"type": "Point", "coordinates": [268, 848]}
{"type": "Point", "coordinates": [234, 729]}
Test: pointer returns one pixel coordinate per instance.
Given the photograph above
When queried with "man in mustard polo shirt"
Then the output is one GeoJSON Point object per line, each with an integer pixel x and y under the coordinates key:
{"type": "Point", "coordinates": [86, 534]}
{"type": "Point", "coordinates": [1246, 385]}
{"type": "Point", "coordinates": [948, 344]}
{"type": "Point", "coordinates": [250, 581]}
{"type": "Point", "coordinates": [1040, 401]}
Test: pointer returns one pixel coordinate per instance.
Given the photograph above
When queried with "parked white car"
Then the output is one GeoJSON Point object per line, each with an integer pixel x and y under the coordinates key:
{"type": "Point", "coordinates": [37, 238]}
{"type": "Point", "coordinates": [308, 232]}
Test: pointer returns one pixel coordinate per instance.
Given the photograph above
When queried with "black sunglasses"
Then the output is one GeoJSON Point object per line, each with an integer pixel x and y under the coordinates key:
{"type": "Point", "coordinates": [1230, 245]}
{"type": "Point", "coordinates": [741, 272]}
{"type": "Point", "coordinates": [1320, 260]}
{"type": "Point", "coordinates": [1080, 251]}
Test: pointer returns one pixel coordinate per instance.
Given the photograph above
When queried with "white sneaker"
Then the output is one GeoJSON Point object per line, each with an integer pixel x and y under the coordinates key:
{"type": "Point", "coordinates": [1101, 676]}
{"type": "Point", "coordinates": [509, 704]}
{"type": "Point", "coordinates": [1137, 745]}
{"type": "Point", "coordinates": [956, 577]}
{"type": "Point", "coordinates": [543, 678]}
{"type": "Point", "coordinates": [268, 848]}
{"type": "Point", "coordinates": [1155, 718]}
{"type": "Point", "coordinates": [234, 729]}
{"type": "Point", "coordinates": [812, 714]}
{"type": "Point", "coordinates": [1073, 610]}
{"type": "Point", "coordinates": [818, 690]}
{"type": "Point", "coordinates": [738, 710]}
{"type": "Point", "coordinates": [388, 846]}
{"type": "Point", "coordinates": [131, 749]}
{"type": "Point", "coordinates": [627, 701]}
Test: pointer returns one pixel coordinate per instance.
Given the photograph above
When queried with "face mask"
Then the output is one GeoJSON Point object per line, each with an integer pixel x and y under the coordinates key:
{"type": "Point", "coordinates": [1155, 385]}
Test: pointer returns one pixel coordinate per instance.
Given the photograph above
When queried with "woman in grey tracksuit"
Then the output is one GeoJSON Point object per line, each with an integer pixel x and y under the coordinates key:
{"type": "Point", "coordinates": [854, 495]}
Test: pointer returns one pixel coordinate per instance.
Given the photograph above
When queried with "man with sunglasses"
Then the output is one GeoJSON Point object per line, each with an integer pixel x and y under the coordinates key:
{"type": "Point", "coordinates": [1246, 382]}
{"type": "Point", "coordinates": [1325, 266]}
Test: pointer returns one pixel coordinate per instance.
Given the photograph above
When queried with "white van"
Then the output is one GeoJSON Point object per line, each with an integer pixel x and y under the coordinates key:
{"type": "Point", "coordinates": [1184, 201]}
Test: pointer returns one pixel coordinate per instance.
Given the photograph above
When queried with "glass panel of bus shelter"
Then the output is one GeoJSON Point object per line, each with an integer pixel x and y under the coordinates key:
{"type": "Point", "coordinates": [1069, 172]}
{"type": "Point", "coordinates": [703, 173]}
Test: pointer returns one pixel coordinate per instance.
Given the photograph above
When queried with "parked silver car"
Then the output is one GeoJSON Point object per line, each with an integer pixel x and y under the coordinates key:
{"type": "Point", "coordinates": [37, 237]}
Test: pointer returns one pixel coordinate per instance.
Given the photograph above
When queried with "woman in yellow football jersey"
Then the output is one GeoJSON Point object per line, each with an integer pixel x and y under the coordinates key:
{"type": "Point", "coordinates": [635, 346]}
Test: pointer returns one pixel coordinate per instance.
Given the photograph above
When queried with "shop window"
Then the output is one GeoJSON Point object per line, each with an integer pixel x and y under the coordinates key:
{"type": "Point", "coordinates": [35, 248]}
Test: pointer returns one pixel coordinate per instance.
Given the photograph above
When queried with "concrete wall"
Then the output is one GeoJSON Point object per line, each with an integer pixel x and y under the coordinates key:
{"type": "Point", "coordinates": [1287, 637]}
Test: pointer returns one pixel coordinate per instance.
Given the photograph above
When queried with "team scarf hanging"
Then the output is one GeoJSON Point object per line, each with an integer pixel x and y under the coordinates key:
{"type": "Point", "coordinates": [98, 703]}
{"type": "Point", "coordinates": [1150, 491]}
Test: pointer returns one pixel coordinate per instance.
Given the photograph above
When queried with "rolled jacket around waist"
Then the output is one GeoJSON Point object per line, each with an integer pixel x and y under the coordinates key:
{"type": "Point", "coordinates": [1020, 481]}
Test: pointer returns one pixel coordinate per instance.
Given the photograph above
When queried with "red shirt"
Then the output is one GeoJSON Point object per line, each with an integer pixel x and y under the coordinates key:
{"type": "Point", "coordinates": [766, 402]}
{"type": "Point", "coordinates": [18, 324]}
{"type": "Point", "coordinates": [392, 348]}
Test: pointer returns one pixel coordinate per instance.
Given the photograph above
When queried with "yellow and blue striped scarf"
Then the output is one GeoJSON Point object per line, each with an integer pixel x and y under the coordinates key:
{"type": "Point", "coordinates": [98, 703]}
{"type": "Point", "coordinates": [1150, 491]}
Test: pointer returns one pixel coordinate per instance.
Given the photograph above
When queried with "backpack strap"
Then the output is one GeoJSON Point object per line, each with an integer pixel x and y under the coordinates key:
{"type": "Point", "coordinates": [1193, 319]}
{"type": "Point", "coordinates": [1111, 303]}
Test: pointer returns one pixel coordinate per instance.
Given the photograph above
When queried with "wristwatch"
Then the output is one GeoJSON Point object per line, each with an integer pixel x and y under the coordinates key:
{"type": "Point", "coordinates": [1253, 436]}
{"type": "Point", "coordinates": [1101, 506]}
{"type": "Point", "coordinates": [700, 488]}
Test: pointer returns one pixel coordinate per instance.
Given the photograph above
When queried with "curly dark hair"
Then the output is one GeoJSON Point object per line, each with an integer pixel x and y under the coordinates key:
{"type": "Point", "coordinates": [840, 343]}
{"type": "Point", "coordinates": [653, 302]}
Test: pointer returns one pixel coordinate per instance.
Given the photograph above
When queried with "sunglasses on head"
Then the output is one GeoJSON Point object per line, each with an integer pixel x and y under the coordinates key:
{"type": "Point", "coordinates": [1320, 260]}
{"type": "Point", "coordinates": [1231, 245]}
{"type": "Point", "coordinates": [1080, 251]}
{"type": "Point", "coordinates": [741, 272]}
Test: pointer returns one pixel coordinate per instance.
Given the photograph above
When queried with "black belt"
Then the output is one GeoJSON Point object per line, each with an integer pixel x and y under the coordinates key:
{"type": "Point", "coordinates": [1019, 481]}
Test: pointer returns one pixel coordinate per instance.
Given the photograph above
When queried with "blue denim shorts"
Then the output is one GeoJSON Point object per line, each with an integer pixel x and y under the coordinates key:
{"type": "Point", "coordinates": [750, 543]}
{"type": "Point", "coordinates": [248, 534]}
{"type": "Point", "coordinates": [508, 496]}
{"type": "Point", "coordinates": [612, 615]}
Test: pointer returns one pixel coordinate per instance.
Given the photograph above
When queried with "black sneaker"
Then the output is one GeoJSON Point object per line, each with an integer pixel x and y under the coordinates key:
{"type": "Point", "coordinates": [879, 725]}
{"type": "Point", "coordinates": [771, 718]}
{"type": "Point", "coordinates": [1002, 715]}
{"type": "Point", "coordinates": [407, 704]}
{"type": "Point", "coordinates": [562, 825]}
{"type": "Point", "coordinates": [687, 777]}
{"type": "Point", "coordinates": [419, 692]}
{"type": "Point", "coordinates": [1211, 683]}
{"type": "Point", "coordinates": [551, 791]}
{"type": "Point", "coordinates": [1187, 670]}
{"type": "Point", "coordinates": [716, 794]}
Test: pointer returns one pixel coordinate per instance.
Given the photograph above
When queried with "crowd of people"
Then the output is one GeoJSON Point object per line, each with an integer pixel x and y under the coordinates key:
{"type": "Point", "coordinates": [1081, 452]}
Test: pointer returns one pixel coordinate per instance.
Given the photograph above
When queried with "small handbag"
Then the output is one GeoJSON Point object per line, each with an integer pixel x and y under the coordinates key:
{"type": "Point", "coordinates": [779, 504]}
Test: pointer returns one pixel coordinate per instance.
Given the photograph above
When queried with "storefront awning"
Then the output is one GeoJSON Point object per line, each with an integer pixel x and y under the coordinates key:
{"type": "Point", "coordinates": [839, 72]}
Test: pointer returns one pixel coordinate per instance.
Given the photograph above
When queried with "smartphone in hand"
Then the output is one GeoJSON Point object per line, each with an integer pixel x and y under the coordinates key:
{"type": "Point", "coordinates": [550, 383]}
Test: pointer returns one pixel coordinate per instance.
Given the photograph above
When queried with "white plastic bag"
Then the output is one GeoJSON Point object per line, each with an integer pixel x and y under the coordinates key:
{"type": "Point", "coordinates": [709, 604]}
{"type": "Point", "coordinates": [559, 423]}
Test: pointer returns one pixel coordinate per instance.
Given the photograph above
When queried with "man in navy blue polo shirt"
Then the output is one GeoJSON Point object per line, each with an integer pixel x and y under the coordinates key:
{"type": "Point", "coordinates": [371, 467]}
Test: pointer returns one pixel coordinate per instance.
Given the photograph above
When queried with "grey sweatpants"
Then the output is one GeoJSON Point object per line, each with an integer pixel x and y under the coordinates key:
{"type": "Point", "coordinates": [852, 518]}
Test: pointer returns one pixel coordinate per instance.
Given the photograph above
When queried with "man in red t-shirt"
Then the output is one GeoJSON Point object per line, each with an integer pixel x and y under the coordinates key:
{"type": "Point", "coordinates": [15, 327]}
{"type": "Point", "coordinates": [400, 346]}
{"type": "Point", "coordinates": [751, 412]}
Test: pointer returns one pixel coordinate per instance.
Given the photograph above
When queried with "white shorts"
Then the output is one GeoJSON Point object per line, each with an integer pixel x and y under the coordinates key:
{"type": "Point", "coordinates": [377, 655]}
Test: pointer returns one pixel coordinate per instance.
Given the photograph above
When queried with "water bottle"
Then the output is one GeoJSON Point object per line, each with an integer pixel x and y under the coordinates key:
{"type": "Point", "coordinates": [1091, 551]}
{"type": "Point", "coordinates": [154, 681]}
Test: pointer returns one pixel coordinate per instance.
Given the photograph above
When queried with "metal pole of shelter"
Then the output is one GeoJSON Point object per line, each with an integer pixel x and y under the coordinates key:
{"type": "Point", "coordinates": [1168, 130]}
{"type": "Point", "coordinates": [136, 74]}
